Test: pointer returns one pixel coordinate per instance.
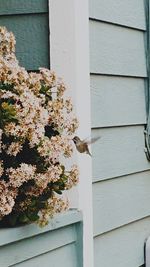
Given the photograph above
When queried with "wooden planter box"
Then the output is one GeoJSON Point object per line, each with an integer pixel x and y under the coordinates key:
{"type": "Point", "coordinates": [58, 244]}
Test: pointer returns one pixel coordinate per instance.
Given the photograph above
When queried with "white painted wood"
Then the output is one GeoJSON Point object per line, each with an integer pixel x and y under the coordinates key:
{"type": "Point", "coordinates": [69, 50]}
{"type": "Point", "coordinates": [147, 252]}
{"type": "Point", "coordinates": [123, 247]}
{"type": "Point", "coordinates": [128, 13]}
{"type": "Point", "coordinates": [116, 50]}
{"type": "Point", "coordinates": [117, 202]}
{"type": "Point", "coordinates": [117, 101]}
{"type": "Point", "coordinates": [118, 152]}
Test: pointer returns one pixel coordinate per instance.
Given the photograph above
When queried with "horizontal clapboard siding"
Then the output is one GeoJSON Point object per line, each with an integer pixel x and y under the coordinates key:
{"type": "Point", "coordinates": [119, 151]}
{"type": "Point", "coordinates": [10, 7]}
{"type": "Point", "coordinates": [117, 101]}
{"type": "Point", "coordinates": [15, 234]}
{"type": "Point", "coordinates": [127, 13]}
{"type": "Point", "coordinates": [118, 202]}
{"type": "Point", "coordinates": [31, 246]}
{"type": "Point", "coordinates": [123, 247]}
{"type": "Point", "coordinates": [64, 256]}
{"type": "Point", "coordinates": [121, 184]}
{"type": "Point", "coordinates": [29, 29]}
{"type": "Point", "coordinates": [29, 22]}
{"type": "Point", "coordinates": [116, 50]}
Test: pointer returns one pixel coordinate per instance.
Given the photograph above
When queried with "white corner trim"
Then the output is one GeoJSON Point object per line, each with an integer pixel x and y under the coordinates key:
{"type": "Point", "coordinates": [69, 57]}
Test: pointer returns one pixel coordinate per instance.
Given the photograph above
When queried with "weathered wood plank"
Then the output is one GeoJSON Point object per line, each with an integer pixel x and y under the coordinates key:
{"type": "Point", "coordinates": [9, 7]}
{"type": "Point", "coordinates": [34, 246]}
{"type": "Point", "coordinates": [117, 202]}
{"type": "Point", "coordinates": [118, 152]}
{"type": "Point", "coordinates": [30, 29]}
{"type": "Point", "coordinates": [122, 247]}
{"type": "Point", "coordinates": [117, 101]}
{"type": "Point", "coordinates": [116, 50]}
{"type": "Point", "coordinates": [64, 257]}
{"type": "Point", "coordinates": [128, 13]}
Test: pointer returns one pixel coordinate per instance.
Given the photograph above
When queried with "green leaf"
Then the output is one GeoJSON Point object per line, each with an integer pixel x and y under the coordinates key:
{"type": "Point", "coordinates": [7, 113]}
{"type": "Point", "coordinates": [58, 192]}
{"type": "Point", "coordinates": [64, 178]}
{"type": "Point", "coordinates": [63, 168]}
{"type": "Point", "coordinates": [33, 203]}
{"type": "Point", "coordinates": [7, 87]}
{"type": "Point", "coordinates": [45, 90]}
{"type": "Point", "coordinates": [33, 216]}
{"type": "Point", "coordinates": [23, 218]}
{"type": "Point", "coordinates": [13, 219]}
{"type": "Point", "coordinates": [41, 205]}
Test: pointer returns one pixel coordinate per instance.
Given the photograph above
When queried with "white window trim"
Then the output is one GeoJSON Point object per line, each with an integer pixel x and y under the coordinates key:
{"type": "Point", "coordinates": [69, 57]}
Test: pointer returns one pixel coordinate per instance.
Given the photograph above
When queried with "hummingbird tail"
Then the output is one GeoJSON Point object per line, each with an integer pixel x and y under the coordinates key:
{"type": "Point", "coordinates": [88, 152]}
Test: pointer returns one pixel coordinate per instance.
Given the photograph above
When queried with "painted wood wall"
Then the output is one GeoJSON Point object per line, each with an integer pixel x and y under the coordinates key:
{"type": "Point", "coordinates": [28, 20]}
{"type": "Point", "coordinates": [60, 243]}
{"type": "Point", "coordinates": [121, 172]}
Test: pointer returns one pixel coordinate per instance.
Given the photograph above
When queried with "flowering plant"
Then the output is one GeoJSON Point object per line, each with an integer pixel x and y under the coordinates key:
{"type": "Point", "coordinates": [36, 129]}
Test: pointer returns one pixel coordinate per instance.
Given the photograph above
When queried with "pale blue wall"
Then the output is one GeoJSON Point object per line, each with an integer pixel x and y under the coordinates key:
{"type": "Point", "coordinates": [58, 244]}
{"type": "Point", "coordinates": [121, 176]}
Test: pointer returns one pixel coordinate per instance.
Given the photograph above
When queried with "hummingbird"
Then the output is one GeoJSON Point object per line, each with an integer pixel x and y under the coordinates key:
{"type": "Point", "coordinates": [82, 145]}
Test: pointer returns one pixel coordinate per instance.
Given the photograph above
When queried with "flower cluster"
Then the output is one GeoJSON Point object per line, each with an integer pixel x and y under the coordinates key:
{"type": "Point", "coordinates": [37, 125]}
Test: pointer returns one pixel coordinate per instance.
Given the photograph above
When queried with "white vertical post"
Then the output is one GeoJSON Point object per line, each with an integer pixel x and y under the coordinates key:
{"type": "Point", "coordinates": [69, 57]}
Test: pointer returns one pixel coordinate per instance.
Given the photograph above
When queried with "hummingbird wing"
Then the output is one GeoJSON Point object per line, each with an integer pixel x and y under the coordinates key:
{"type": "Point", "coordinates": [92, 140]}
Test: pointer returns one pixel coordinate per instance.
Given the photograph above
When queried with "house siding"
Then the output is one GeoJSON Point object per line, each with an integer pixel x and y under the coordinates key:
{"type": "Point", "coordinates": [121, 183]}
{"type": "Point", "coordinates": [29, 22]}
{"type": "Point", "coordinates": [59, 243]}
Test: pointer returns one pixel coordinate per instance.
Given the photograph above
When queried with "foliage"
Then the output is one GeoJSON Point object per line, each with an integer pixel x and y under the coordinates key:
{"type": "Point", "coordinates": [37, 125]}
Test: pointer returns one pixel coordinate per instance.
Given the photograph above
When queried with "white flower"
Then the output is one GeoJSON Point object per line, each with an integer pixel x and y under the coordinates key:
{"type": "Point", "coordinates": [37, 125]}
{"type": "Point", "coordinates": [21, 174]}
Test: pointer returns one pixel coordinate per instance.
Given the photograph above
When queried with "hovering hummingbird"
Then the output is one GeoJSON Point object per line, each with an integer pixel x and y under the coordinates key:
{"type": "Point", "coordinates": [82, 145]}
